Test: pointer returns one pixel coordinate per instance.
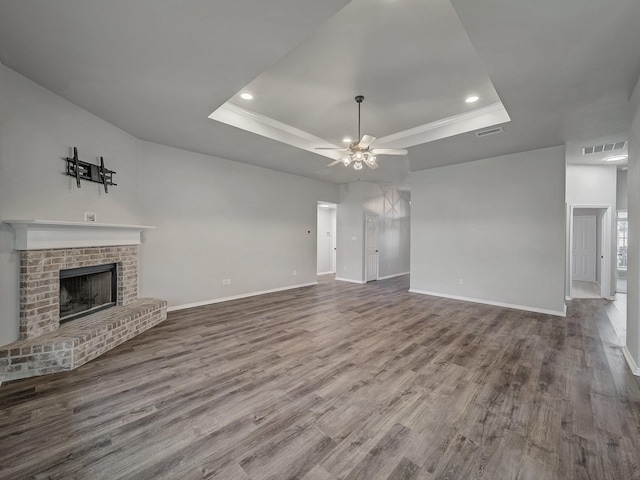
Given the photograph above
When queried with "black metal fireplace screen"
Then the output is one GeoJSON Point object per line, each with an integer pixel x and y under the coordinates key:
{"type": "Point", "coordinates": [87, 290]}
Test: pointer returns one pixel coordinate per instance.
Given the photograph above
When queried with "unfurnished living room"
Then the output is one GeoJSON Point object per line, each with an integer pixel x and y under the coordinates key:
{"type": "Point", "coordinates": [320, 240]}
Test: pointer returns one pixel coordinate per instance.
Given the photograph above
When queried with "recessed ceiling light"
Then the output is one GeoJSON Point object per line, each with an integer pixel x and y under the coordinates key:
{"type": "Point", "coordinates": [615, 158]}
{"type": "Point", "coordinates": [472, 99]}
{"type": "Point", "coordinates": [246, 96]}
{"type": "Point", "coordinates": [347, 140]}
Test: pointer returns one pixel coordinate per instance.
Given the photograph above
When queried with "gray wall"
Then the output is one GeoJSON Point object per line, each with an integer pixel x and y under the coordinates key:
{"type": "Point", "coordinates": [621, 190]}
{"type": "Point", "coordinates": [215, 218]}
{"type": "Point", "coordinates": [350, 233]}
{"type": "Point", "coordinates": [498, 224]}
{"type": "Point", "coordinates": [220, 219]}
{"type": "Point", "coordinates": [633, 268]}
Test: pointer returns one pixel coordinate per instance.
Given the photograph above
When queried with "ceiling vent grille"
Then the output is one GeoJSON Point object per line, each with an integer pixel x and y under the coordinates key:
{"type": "Point", "coordinates": [489, 131]}
{"type": "Point", "coordinates": [603, 148]}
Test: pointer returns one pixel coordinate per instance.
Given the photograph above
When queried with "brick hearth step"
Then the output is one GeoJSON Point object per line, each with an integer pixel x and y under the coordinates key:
{"type": "Point", "coordinates": [79, 341]}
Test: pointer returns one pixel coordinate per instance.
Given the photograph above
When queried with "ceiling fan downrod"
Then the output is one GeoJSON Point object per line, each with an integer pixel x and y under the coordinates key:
{"type": "Point", "coordinates": [359, 99]}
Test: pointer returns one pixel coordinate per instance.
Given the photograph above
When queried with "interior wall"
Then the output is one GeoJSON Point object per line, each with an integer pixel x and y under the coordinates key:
{"type": "Point", "coordinates": [350, 233]}
{"type": "Point", "coordinates": [633, 268]}
{"type": "Point", "coordinates": [253, 226]}
{"type": "Point", "coordinates": [621, 190]}
{"type": "Point", "coordinates": [492, 231]}
{"type": "Point", "coordinates": [595, 185]}
{"type": "Point", "coordinates": [215, 219]}
{"type": "Point", "coordinates": [326, 240]}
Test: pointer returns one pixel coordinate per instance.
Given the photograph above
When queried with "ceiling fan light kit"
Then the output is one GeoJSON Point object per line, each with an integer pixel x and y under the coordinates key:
{"type": "Point", "coordinates": [360, 152]}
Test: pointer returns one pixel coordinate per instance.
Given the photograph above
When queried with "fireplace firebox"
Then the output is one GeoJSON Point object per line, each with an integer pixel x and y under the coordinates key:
{"type": "Point", "coordinates": [86, 290]}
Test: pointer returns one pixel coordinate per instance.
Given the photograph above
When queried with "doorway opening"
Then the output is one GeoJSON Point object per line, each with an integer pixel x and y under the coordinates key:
{"type": "Point", "coordinates": [326, 243]}
{"type": "Point", "coordinates": [590, 256]}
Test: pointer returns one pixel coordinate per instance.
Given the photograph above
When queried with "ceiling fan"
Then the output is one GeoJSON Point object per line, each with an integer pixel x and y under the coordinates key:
{"type": "Point", "coordinates": [361, 152]}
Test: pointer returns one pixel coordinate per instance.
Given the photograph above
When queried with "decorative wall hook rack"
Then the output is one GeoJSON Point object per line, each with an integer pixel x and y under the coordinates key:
{"type": "Point", "coordinates": [88, 171]}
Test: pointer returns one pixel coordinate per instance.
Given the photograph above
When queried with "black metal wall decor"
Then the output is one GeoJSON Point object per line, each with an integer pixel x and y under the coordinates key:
{"type": "Point", "coordinates": [88, 171]}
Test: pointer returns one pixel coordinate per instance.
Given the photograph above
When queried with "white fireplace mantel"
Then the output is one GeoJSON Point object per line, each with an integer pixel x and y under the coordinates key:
{"type": "Point", "coordinates": [46, 234]}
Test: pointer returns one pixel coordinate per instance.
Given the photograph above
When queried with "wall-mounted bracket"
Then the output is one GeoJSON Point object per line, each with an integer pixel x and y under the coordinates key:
{"type": "Point", "coordinates": [88, 171]}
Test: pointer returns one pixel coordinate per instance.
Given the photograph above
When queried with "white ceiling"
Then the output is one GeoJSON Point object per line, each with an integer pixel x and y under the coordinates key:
{"type": "Point", "coordinates": [563, 70]}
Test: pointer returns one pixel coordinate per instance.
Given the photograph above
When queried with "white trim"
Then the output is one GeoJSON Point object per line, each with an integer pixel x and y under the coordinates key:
{"type": "Point", "coordinates": [478, 118]}
{"type": "Point", "coordinates": [630, 361]}
{"type": "Point", "coordinates": [324, 273]}
{"type": "Point", "coordinates": [48, 234]}
{"type": "Point", "coordinates": [268, 127]}
{"type": "Point", "coordinates": [557, 313]}
{"type": "Point", "coordinates": [236, 297]}
{"type": "Point", "coordinates": [607, 243]}
{"type": "Point", "coordinates": [394, 275]}
{"type": "Point", "coordinates": [487, 116]}
{"type": "Point", "coordinates": [350, 280]}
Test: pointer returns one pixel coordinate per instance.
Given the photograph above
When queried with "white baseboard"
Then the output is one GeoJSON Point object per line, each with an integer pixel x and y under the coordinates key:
{"type": "Point", "coordinates": [393, 276]}
{"type": "Point", "coordinates": [557, 313]}
{"type": "Point", "coordinates": [349, 280]}
{"type": "Point", "coordinates": [630, 361]}
{"type": "Point", "coordinates": [324, 273]}
{"type": "Point", "coordinates": [236, 297]}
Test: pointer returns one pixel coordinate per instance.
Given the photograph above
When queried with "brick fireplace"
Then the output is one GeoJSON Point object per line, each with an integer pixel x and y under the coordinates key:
{"type": "Point", "coordinates": [45, 248]}
{"type": "Point", "coordinates": [40, 281]}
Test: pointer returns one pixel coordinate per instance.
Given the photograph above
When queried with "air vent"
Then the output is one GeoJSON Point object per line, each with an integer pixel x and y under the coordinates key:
{"type": "Point", "coordinates": [489, 131]}
{"type": "Point", "coordinates": [605, 147]}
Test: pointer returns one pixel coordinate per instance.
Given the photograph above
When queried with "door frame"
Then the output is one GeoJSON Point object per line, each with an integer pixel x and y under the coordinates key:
{"type": "Point", "coordinates": [606, 245]}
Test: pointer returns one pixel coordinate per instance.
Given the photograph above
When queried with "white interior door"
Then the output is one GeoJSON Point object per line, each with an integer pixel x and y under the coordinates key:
{"type": "Point", "coordinates": [372, 248]}
{"type": "Point", "coordinates": [584, 248]}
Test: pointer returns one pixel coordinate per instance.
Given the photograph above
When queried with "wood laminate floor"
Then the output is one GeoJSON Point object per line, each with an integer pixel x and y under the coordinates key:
{"type": "Point", "coordinates": [338, 381]}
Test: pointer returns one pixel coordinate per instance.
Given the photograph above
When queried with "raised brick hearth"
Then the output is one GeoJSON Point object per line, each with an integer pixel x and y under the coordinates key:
{"type": "Point", "coordinates": [47, 347]}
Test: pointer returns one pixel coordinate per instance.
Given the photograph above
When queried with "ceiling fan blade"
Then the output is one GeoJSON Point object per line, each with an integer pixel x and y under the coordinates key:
{"type": "Point", "coordinates": [334, 163]}
{"type": "Point", "coordinates": [389, 151]}
{"type": "Point", "coordinates": [372, 165]}
{"type": "Point", "coordinates": [366, 141]}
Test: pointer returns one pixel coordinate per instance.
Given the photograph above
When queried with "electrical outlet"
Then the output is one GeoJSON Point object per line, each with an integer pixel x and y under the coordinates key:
{"type": "Point", "coordinates": [295, 272]}
{"type": "Point", "coordinates": [90, 217]}
{"type": "Point", "coordinates": [461, 281]}
{"type": "Point", "coordinates": [228, 281]}
{"type": "Point", "coordinates": [224, 281]}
